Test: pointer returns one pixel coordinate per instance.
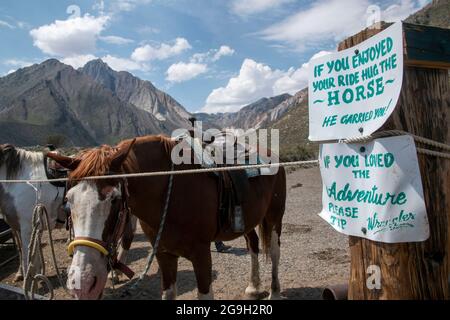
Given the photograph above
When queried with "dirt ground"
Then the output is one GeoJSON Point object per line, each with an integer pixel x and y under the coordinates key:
{"type": "Point", "coordinates": [313, 256]}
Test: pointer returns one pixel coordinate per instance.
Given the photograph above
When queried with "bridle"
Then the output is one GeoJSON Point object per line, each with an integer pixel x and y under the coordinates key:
{"type": "Point", "coordinates": [109, 248]}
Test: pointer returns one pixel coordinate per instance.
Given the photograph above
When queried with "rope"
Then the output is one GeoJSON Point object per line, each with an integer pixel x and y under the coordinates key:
{"type": "Point", "coordinates": [434, 153]}
{"type": "Point", "coordinates": [422, 140]}
{"type": "Point", "coordinates": [382, 134]}
{"type": "Point", "coordinates": [175, 172]}
{"type": "Point", "coordinates": [160, 230]}
{"type": "Point", "coordinates": [35, 248]}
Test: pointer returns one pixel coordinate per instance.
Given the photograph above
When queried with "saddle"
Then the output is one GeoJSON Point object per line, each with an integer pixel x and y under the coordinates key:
{"type": "Point", "coordinates": [54, 171]}
{"type": "Point", "coordinates": [233, 186]}
{"type": "Point", "coordinates": [233, 189]}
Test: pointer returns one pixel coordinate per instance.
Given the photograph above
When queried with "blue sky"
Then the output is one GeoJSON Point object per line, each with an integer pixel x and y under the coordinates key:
{"type": "Point", "coordinates": [210, 55]}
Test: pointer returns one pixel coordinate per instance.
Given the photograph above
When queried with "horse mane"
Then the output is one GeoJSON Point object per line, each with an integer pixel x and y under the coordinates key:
{"type": "Point", "coordinates": [97, 161]}
{"type": "Point", "coordinates": [10, 157]}
{"type": "Point", "coordinates": [13, 159]}
{"type": "Point", "coordinates": [168, 144]}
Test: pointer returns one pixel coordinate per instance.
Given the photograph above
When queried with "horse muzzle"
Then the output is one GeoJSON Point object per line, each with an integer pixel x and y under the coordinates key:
{"type": "Point", "coordinates": [88, 272]}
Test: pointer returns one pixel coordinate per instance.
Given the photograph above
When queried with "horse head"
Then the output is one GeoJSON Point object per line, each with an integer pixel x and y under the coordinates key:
{"type": "Point", "coordinates": [98, 212]}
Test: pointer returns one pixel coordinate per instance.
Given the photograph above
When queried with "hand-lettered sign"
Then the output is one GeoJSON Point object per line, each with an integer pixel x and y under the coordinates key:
{"type": "Point", "coordinates": [353, 92]}
{"type": "Point", "coordinates": [374, 190]}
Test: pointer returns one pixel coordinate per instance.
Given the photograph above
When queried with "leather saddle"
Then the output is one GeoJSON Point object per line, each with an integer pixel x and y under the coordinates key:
{"type": "Point", "coordinates": [233, 186]}
{"type": "Point", "coordinates": [54, 171]}
{"type": "Point", "coordinates": [233, 189]}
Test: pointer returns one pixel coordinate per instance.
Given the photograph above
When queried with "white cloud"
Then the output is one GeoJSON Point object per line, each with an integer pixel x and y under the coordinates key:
{"type": "Point", "coordinates": [121, 64]}
{"type": "Point", "coordinates": [116, 40]}
{"type": "Point", "coordinates": [255, 81]}
{"type": "Point", "coordinates": [127, 5]}
{"type": "Point", "coordinates": [116, 63]}
{"type": "Point", "coordinates": [78, 61]}
{"type": "Point", "coordinates": [148, 29]}
{"type": "Point", "coordinates": [6, 24]}
{"type": "Point", "coordinates": [331, 20]}
{"type": "Point", "coordinates": [248, 7]}
{"type": "Point", "coordinates": [116, 6]}
{"type": "Point", "coordinates": [72, 37]}
{"type": "Point", "coordinates": [180, 72]}
{"type": "Point", "coordinates": [295, 79]}
{"type": "Point", "coordinates": [397, 12]}
{"type": "Point", "coordinates": [17, 63]}
{"type": "Point", "coordinates": [212, 55]}
{"type": "Point", "coordinates": [222, 52]}
{"type": "Point", "coordinates": [161, 52]}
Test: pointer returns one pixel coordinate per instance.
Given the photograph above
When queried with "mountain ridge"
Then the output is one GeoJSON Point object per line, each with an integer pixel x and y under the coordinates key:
{"type": "Point", "coordinates": [60, 100]}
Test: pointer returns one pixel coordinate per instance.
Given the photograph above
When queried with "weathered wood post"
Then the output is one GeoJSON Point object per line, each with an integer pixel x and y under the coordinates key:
{"type": "Point", "coordinates": [415, 270]}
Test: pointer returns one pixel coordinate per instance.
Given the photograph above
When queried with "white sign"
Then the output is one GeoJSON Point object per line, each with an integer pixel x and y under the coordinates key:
{"type": "Point", "coordinates": [353, 92]}
{"type": "Point", "coordinates": [374, 190]}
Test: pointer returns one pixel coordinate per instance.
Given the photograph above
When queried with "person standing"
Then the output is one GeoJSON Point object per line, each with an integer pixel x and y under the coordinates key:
{"type": "Point", "coordinates": [221, 247]}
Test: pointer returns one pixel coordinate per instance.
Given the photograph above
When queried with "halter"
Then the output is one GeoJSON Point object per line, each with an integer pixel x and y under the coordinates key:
{"type": "Point", "coordinates": [109, 248]}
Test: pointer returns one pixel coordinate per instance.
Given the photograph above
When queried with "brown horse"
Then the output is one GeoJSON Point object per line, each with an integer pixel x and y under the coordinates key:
{"type": "Point", "coordinates": [192, 216]}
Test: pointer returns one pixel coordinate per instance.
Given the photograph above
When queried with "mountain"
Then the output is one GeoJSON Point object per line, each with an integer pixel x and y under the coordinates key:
{"type": "Point", "coordinates": [139, 93]}
{"type": "Point", "coordinates": [256, 115]}
{"type": "Point", "coordinates": [293, 129]}
{"type": "Point", "coordinates": [436, 14]}
{"type": "Point", "coordinates": [52, 99]}
{"type": "Point", "coordinates": [294, 124]}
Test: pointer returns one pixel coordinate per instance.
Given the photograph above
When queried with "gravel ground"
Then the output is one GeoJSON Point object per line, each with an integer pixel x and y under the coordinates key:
{"type": "Point", "coordinates": [313, 256]}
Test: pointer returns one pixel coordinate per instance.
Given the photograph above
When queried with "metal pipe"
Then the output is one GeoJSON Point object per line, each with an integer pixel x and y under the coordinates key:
{"type": "Point", "coordinates": [336, 292]}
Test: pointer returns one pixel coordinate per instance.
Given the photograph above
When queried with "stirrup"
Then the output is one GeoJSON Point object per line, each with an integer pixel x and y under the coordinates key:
{"type": "Point", "coordinates": [238, 221]}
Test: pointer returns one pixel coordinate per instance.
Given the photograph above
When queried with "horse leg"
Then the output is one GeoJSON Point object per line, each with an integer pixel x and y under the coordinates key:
{"type": "Point", "coordinates": [168, 265]}
{"type": "Point", "coordinates": [203, 272]}
{"type": "Point", "coordinates": [125, 246]}
{"type": "Point", "coordinates": [19, 275]}
{"type": "Point", "coordinates": [272, 224]}
{"type": "Point", "coordinates": [253, 289]}
{"type": "Point", "coordinates": [275, 257]}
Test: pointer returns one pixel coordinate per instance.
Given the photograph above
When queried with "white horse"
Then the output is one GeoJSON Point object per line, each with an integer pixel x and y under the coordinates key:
{"type": "Point", "coordinates": [17, 200]}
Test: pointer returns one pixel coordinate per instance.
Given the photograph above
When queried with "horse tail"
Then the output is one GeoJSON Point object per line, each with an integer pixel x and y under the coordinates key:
{"type": "Point", "coordinates": [265, 233]}
{"type": "Point", "coordinates": [272, 221]}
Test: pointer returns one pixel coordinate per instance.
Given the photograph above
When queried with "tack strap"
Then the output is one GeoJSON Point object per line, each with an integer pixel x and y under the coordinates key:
{"type": "Point", "coordinates": [117, 265]}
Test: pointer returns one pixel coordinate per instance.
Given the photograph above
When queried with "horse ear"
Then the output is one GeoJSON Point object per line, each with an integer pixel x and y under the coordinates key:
{"type": "Point", "coordinates": [121, 155]}
{"type": "Point", "coordinates": [66, 162]}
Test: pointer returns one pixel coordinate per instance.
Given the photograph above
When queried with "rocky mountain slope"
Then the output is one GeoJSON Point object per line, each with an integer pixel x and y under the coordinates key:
{"type": "Point", "coordinates": [293, 129]}
{"type": "Point", "coordinates": [96, 104]}
{"type": "Point", "coordinates": [52, 99]}
{"type": "Point", "coordinates": [256, 115]}
{"type": "Point", "coordinates": [436, 13]}
{"type": "Point", "coordinates": [140, 93]}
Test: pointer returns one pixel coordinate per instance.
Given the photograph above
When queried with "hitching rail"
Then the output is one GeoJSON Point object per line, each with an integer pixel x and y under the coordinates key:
{"type": "Point", "coordinates": [362, 139]}
{"type": "Point", "coordinates": [175, 172]}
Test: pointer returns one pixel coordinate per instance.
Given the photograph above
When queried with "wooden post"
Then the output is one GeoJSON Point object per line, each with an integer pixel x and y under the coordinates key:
{"type": "Point", "coordinates": [415, 270]}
